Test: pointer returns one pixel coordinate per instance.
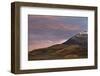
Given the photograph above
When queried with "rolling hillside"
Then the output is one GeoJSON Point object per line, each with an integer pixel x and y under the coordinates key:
{"type": "Point", "coordinates": [75, 47]}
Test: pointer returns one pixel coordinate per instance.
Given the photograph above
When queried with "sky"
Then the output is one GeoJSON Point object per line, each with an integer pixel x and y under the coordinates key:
{"type": "Point", "coordinates": [46, 30]}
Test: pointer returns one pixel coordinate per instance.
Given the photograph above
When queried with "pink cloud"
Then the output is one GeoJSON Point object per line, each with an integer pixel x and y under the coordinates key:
{"type": "Point", "coordinates": [57, 26]}
{"type": "Point", "coordinates": [51, 22]}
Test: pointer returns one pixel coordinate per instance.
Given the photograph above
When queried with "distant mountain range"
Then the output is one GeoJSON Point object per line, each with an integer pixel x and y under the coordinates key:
{"type": "Point", "coordinates": [75, 47]}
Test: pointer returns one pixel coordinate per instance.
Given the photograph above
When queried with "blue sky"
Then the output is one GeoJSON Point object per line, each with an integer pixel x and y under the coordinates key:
{"type": "Point", "coordinates": [44, 30]}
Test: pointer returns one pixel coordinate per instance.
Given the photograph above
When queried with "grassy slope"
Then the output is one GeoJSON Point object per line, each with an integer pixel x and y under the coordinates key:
{"type": "Point", "coordinates": [59, 51]}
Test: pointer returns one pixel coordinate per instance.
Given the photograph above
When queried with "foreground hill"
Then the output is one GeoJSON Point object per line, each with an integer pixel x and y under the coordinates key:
{"type": "Point", "coordinates": [75, 47]}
